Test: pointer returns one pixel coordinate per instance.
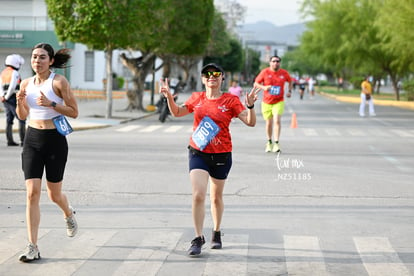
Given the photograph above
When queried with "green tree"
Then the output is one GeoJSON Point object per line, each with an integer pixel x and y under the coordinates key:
{"type": "Point", "coordinates": [343, 37]}
{"type": "Point", "coordinates": [395, 24]}
{"type": "Point", "coordinates": [232, 61]}
{"type": "Point", "coordinates": [153, 27]}
{"type": "Point", "coordinates": [99, 24]}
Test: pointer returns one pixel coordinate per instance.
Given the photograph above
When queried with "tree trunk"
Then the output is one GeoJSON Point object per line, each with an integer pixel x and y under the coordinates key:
{"type": "Point", "coordinates": [394, 81]}
{"type": "Point", "coordinates": [108, 57]}
{"type": "Point", "coordinates": [140, 67]}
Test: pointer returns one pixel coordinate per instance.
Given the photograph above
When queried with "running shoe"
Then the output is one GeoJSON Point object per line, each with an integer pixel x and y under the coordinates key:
{"type": "Point", "coordinates": [276, 147]}
{"type": "Point", "coordinates": [269, 147]}
{"type": "Point", "coordinates": [195, 248]}
{"type": "Point", "coordinates": [71, 224]}
{"type": "Point", "coordinates": [31, 254]}
{"type": "Point", "coordinates": [216, 240]}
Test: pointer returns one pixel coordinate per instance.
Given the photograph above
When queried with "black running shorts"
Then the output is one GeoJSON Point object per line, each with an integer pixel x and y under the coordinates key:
{"type": "Point", "coordinates": [44, 149]}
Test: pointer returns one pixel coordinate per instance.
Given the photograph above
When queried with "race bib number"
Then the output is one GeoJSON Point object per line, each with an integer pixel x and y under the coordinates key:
{"type": "Point", "coordinates": [62, 125]}
{"type": "Point", "coordinates": [275, 90]}
{"type": "Point", "coordinates": [205, 132]}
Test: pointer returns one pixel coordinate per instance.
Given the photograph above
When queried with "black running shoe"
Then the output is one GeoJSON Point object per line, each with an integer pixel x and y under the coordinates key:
{"type": "Point", "coordinates": [216, 240]}
{"type": "Point", "coordinates": [196, 244]}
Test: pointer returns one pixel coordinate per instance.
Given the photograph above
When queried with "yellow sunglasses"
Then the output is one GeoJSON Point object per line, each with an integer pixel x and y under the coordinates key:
{"type": "Point", "coordinates": [209, 74]}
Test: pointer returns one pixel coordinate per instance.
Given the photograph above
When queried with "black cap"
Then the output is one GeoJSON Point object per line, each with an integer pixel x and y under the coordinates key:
{"type": "Point", "coordinates": [212, 65]}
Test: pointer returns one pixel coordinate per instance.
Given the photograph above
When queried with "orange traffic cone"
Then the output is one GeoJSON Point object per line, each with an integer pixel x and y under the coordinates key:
{"type": "Point", "coordinates": [294, 123]}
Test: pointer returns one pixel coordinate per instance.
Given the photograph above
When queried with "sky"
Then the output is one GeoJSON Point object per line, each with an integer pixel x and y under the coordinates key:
{"type": "Point", "coordinates": [278, 12]}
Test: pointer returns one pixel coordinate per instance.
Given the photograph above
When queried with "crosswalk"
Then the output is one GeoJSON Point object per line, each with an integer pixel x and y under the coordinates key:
{"type": "Point", "coordinates": [163, 252]}
{"type": "Point", "coordinates": [308, 132]}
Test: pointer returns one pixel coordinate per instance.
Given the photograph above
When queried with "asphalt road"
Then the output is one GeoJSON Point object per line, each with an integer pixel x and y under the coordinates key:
{"type": "Point", "coordinates": [337, 201]}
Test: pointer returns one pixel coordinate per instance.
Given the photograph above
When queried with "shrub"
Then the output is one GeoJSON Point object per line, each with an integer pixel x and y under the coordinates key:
{"type": "Point", "coordinates": [408, 87]}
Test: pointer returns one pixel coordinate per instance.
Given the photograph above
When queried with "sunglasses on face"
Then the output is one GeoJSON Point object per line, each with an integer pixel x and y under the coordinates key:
{"type": "Point", "coordinates": [209, 74]}
{"type": "Point", "coordinates": [275, 60]}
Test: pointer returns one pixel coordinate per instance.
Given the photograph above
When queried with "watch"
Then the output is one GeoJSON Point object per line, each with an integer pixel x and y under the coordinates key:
{"type": "Point", "coordinates": [53, 104]}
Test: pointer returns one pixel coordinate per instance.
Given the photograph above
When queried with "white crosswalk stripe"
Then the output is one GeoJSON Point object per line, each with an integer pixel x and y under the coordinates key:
{"type": "Point", "coordinates": [128, 128]}
{"type": "Point", "coordinates": [173, 129]}
{"type": "Point", "coordinates": [332, 132]}
{"type": "Point", "coordinates": [150, 128]}
{"type": "Point", "coordinates": [403, 133]}
{"type": "Point", "coordinates": [304, 256]}
{"type": "Point", "coordinates": [356, 132]}
{"type": "Point", "coordinates": [160, 251]}
{"type": "Point", "coordinates": [149, 255]}
{"type": "Point", "coordinates": [233, 260]}
{"type": "Point", "coordinates": [379, 257]}
{"type": "Point", "coordinates": [309, 132]}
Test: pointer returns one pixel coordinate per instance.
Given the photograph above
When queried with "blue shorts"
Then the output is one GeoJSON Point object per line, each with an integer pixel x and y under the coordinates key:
{"type": "Point", "coordinates": [217, 165]}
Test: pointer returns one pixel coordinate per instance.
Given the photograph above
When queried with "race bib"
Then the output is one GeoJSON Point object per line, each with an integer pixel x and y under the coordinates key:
{"type": "Point", "coordinates": [62, 125]}
{"type": "Point", "coordinates": [275, 90]}
{"type": "Point", "coordinates": [205, 132]}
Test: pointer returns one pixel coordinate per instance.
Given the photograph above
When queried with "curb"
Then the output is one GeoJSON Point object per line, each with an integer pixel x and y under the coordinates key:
{"type": "Point", "coordinates": [405, 105]}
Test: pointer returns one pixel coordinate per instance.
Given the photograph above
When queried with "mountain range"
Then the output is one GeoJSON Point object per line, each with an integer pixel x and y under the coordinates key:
{"type": "Point", "coordinates": [266, 31]}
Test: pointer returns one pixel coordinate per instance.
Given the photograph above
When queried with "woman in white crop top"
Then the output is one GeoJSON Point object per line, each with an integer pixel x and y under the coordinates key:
{"type": "Point", "coordinates": [42, 97]}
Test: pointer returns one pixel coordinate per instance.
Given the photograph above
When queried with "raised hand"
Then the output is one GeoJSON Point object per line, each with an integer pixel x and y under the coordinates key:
{"type": "Point", "coordinates": [252, 96]}
{"type": "Point", "coordinates": [165, 87]}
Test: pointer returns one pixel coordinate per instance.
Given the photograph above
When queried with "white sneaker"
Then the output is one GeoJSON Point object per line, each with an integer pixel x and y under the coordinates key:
{"type": "Point", "coordinates": [269, 147]}
{"type": "Point", "coordinates": [71, 224]}
{"type": "Point", "coordinates": [31, 254]}
{"type": "Point", "coordinates": [276, 147]}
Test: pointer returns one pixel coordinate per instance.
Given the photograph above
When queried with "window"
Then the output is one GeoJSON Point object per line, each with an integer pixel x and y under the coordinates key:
{"type": "Point", "coordinates": [89, 66]}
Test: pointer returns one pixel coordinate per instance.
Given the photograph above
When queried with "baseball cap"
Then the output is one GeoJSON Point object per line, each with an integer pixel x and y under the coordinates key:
{"type": "Point", "coordinates": [212, 65]}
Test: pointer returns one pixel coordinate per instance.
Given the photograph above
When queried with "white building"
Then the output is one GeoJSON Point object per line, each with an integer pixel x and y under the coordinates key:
{"type": "Point", "coordinates": [25, 23]}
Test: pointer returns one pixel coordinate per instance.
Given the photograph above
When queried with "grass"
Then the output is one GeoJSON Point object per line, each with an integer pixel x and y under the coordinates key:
{"type": "Point", "coordinates": [356, 93]}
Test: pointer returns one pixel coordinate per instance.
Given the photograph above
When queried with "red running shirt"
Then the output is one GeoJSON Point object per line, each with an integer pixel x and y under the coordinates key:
{"type": "Point", "coordinates": [277, 80]}
{"type": "Point", "coordinates": [221, 111]}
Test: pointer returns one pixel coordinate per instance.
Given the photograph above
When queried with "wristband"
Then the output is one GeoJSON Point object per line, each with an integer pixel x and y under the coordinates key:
{"type": "Point", "coordinates": [250, 107]}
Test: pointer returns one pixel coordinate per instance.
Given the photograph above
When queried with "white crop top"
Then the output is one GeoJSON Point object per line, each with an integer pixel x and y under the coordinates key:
{"type": "Point", "coordinates": [38, 112]}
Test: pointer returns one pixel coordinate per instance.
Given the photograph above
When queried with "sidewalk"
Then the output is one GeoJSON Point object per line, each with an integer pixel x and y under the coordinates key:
{"type": "Point", "coordinates": [357, 100]}
{"type": "Point", "coordinates": [92, 113]}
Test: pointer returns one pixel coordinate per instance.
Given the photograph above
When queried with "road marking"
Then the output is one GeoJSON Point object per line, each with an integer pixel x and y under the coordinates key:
{"type": "Point", "coordinates": [304, 256]}
{"type": "Point", "coordinates": [402, 133]}
{"type": "Point", "coordinates": [310, 132]}
{"type": "Point", "coordinates": [379, 133]}
{"type": "Point", "coordinates": [71, 253]}
{"type": "Point", "coordinates": [128, 128]}
{"type": "Point", "coordinates": [231, 259]}
{"type": "Point", "coordinates": [151, 253]}
{"type": "Point", "coordinates": [379, 257]}
{"type": "Point", "coordinates": [7, 243]}
{"type": "Point", "coordinates": [150, 128]}
{"type": "Point", "coordinates": [332, 132]}
{"type": "Point", "coordinates": [173, 129]}
{"type": "Point", "coordinates": [390, 159]}
{"type": "Point", "coordinates": [356, 132]}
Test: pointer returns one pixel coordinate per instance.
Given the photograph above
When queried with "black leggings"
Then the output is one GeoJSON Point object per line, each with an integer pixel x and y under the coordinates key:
{"type": "Point", "coordinates": [44, 149]}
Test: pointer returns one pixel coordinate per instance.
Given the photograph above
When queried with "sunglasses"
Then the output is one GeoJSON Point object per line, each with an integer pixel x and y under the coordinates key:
{"type": "Point", "coordinates": [209, 74]}
{"type": "Point", "coordinates": [278, 61]}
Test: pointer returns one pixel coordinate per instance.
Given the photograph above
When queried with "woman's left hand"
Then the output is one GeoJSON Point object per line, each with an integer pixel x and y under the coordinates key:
{"type": "Point", "coordinates": [165, 87]}
{"type": "Point", "coordinates": [42, 100]}
{"type": "Point", "coordinates": [252, 96]}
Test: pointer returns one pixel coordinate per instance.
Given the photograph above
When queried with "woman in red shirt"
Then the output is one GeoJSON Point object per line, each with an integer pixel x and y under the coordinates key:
{"type": "Point", "coordinates": [210, 145]}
